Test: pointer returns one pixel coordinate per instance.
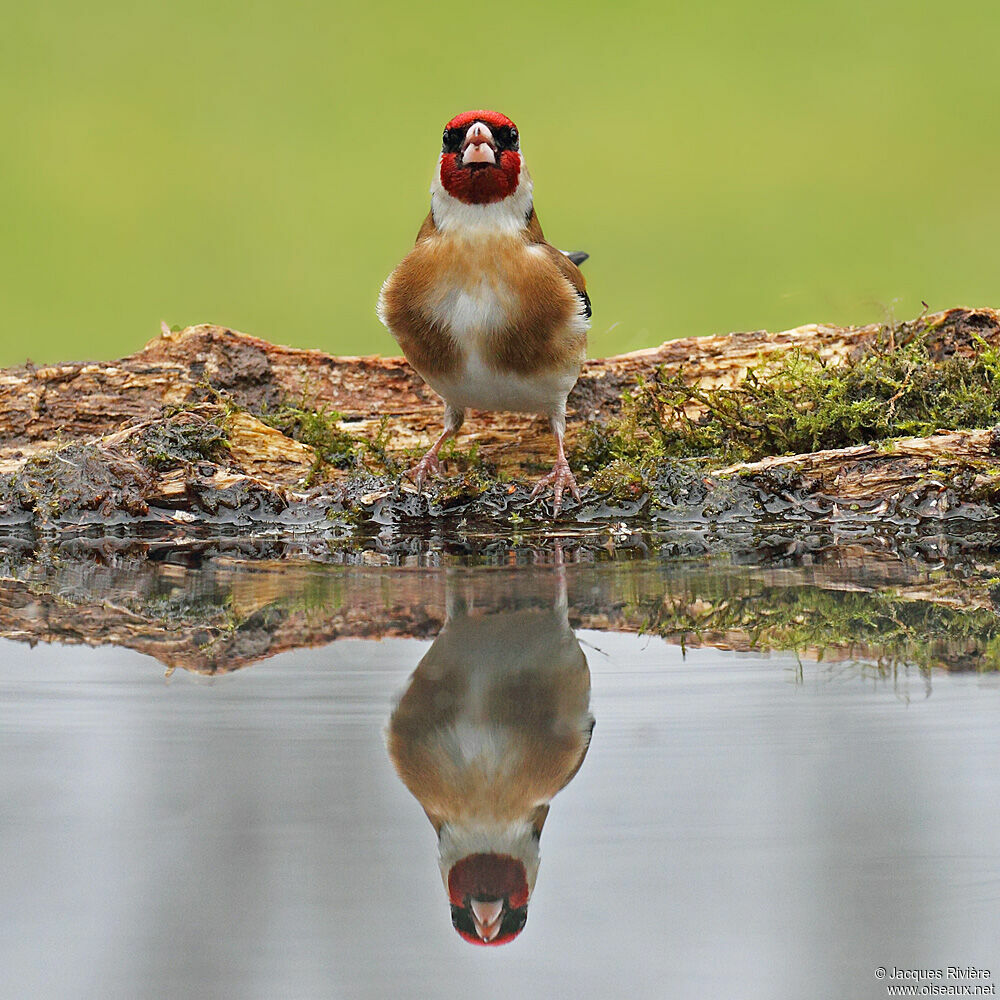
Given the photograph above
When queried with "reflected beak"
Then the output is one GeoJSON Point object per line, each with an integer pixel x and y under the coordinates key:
{"type": "Point", "coordinates": [479, 146]}
{"type": "Point", "coordinates": [486, 916]}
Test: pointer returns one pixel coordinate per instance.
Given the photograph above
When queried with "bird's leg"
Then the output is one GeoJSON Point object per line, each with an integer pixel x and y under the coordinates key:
{"type": "Point", "coordinates": [561, 476]}
{"type": "Point", "coordinates": [429, 464]}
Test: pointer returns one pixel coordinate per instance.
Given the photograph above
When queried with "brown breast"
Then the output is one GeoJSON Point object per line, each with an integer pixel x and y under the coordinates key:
{"type": "Point", "coordinates": [517, 298]}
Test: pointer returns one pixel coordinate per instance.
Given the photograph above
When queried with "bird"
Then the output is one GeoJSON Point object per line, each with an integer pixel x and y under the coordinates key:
{"type": "Point", "coordinates": [495, 720]}
{"type": "Point", "coordinates": [488, 313]}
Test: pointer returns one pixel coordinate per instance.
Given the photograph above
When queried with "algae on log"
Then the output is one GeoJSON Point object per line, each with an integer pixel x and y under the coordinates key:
{"type": "Point", "coordinates": [188, 430]}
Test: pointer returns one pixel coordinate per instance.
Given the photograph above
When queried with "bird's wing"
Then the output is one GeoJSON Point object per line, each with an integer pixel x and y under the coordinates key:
{"type": "Point", "coordinates": [427, 228]}
{"type": "Point", "coordinates": [534, 228]}
{"type": "Point", "coordinates": [572, 273]}
{"type": "Point", "coordinates": [563, 261]}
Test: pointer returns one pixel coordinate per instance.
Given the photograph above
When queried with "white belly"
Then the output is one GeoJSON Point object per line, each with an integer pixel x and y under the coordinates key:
{"type": "Point", "coordinates": [467, 310]}
{"type": "Point", "coordinates": [472, 311]}
{"type": "Point", "coordinates": [478, 387]}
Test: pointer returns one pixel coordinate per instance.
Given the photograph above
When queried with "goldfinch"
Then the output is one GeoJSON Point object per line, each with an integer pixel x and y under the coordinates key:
{"type": "Point", "coordinates": [489, 314]}
{"type": "Point", "coordinates": [493, 723]}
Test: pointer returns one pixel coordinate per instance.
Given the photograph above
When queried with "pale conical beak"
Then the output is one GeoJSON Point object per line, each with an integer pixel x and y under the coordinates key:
{"type": "Point", "coordinates": [478, 146]}
{"type": "Point", "coordinates": [487, 916]}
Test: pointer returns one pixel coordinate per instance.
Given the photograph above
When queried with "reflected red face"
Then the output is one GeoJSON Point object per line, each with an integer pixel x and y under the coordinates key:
{"type": "Point", "coordinates": [489, 898]}
{"type": "Point", "coordinates": [484, 167]}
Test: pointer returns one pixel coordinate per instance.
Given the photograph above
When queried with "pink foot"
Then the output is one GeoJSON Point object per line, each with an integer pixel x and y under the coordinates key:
{"type": "Point", "coordinates": [427, 466]}
{"type": "Point", "coordinates": [560, 479]}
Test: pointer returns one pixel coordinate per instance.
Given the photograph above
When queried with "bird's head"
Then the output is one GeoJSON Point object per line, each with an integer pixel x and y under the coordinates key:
{"type": "Point", "coordinates": [480, 157]}
{"type": "Point", "coordinates": [489, 897]}
{"type": "Point", "coordinates": [481, 175]}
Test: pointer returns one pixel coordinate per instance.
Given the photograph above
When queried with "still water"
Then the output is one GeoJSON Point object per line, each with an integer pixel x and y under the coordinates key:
{"type": "Point", "coordinates": [739, 823]}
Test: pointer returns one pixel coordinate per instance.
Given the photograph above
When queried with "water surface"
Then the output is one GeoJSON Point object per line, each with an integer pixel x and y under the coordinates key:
{"type": "Point", "coordinates": [744, 823]}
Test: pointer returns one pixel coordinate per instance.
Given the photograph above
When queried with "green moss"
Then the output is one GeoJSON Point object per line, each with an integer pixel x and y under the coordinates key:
{"type": "Point", "coordinates": [469, 461]}
{"type": "Point", "coordinates": [186, 437]}
{"type": "Point", "coordinates": [321, 430]}
{"type": "Point", "coordinates": [797, 402]}
{"type": "Point", "coordinates": [468, 486]}
{"type": "Point", "coordinates": [181, 609]}
{"type": "Point", "coordinates": [466, 458]}
{"type": "Point", "coordinates": [209, 393]}
{"type": "Point", "coordinates": [377, 449]}
{"type": "Point", "coordinates": [882, 626]}
{"type": "Point", "coordinates": [622, 480]}
{"type": "Point", "coordinates": [76, 478]}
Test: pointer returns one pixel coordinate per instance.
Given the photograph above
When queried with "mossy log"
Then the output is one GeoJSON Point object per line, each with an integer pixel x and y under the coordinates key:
{"type": "Point", "coordinates": [183, 432]}
{"type": "Point", "coordinates": [225, 614]}
{"type": "Point", "coordinates": [41, 405]}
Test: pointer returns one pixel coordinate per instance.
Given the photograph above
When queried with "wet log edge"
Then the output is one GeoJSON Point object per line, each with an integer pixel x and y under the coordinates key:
{"type": "Point", "coordinates": [103, 406]}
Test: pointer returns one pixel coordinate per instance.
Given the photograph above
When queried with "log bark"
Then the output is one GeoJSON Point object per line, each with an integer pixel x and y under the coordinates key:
{"type": "Point", "coordinates": [73, 435]}
{"type": "Point", "coordinates": [75, 401]}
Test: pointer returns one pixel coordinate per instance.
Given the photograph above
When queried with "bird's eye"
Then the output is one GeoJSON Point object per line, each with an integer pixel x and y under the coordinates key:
{"type": "Point", "coordinates": [452, 139]}
{"type": "Point", "coordinates": [513, 137]}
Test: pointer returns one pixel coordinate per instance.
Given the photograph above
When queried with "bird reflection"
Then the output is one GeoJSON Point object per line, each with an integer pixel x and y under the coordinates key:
{"type": "Point", "coordinates": [494, 722]}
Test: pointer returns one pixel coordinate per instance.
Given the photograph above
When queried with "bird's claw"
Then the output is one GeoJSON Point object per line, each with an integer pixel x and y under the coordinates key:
{"type": "Point", "coordinates": [560, 479]}
{"type": "Point", "coordinates": [429, 465]}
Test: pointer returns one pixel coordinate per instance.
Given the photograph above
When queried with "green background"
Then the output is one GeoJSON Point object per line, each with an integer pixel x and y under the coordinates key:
{"type": "Point", "coordinates": [728, 165]}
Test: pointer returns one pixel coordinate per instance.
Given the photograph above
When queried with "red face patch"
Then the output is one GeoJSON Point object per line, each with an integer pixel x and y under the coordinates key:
{"type": "Point", "coordinates": [480, 183]}
{"type": "Point", "coordinates": [488, 876]}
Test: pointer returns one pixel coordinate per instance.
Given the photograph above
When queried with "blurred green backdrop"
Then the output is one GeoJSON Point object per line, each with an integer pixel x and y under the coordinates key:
{"type": "Point", "coordinates": [728, 165]}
